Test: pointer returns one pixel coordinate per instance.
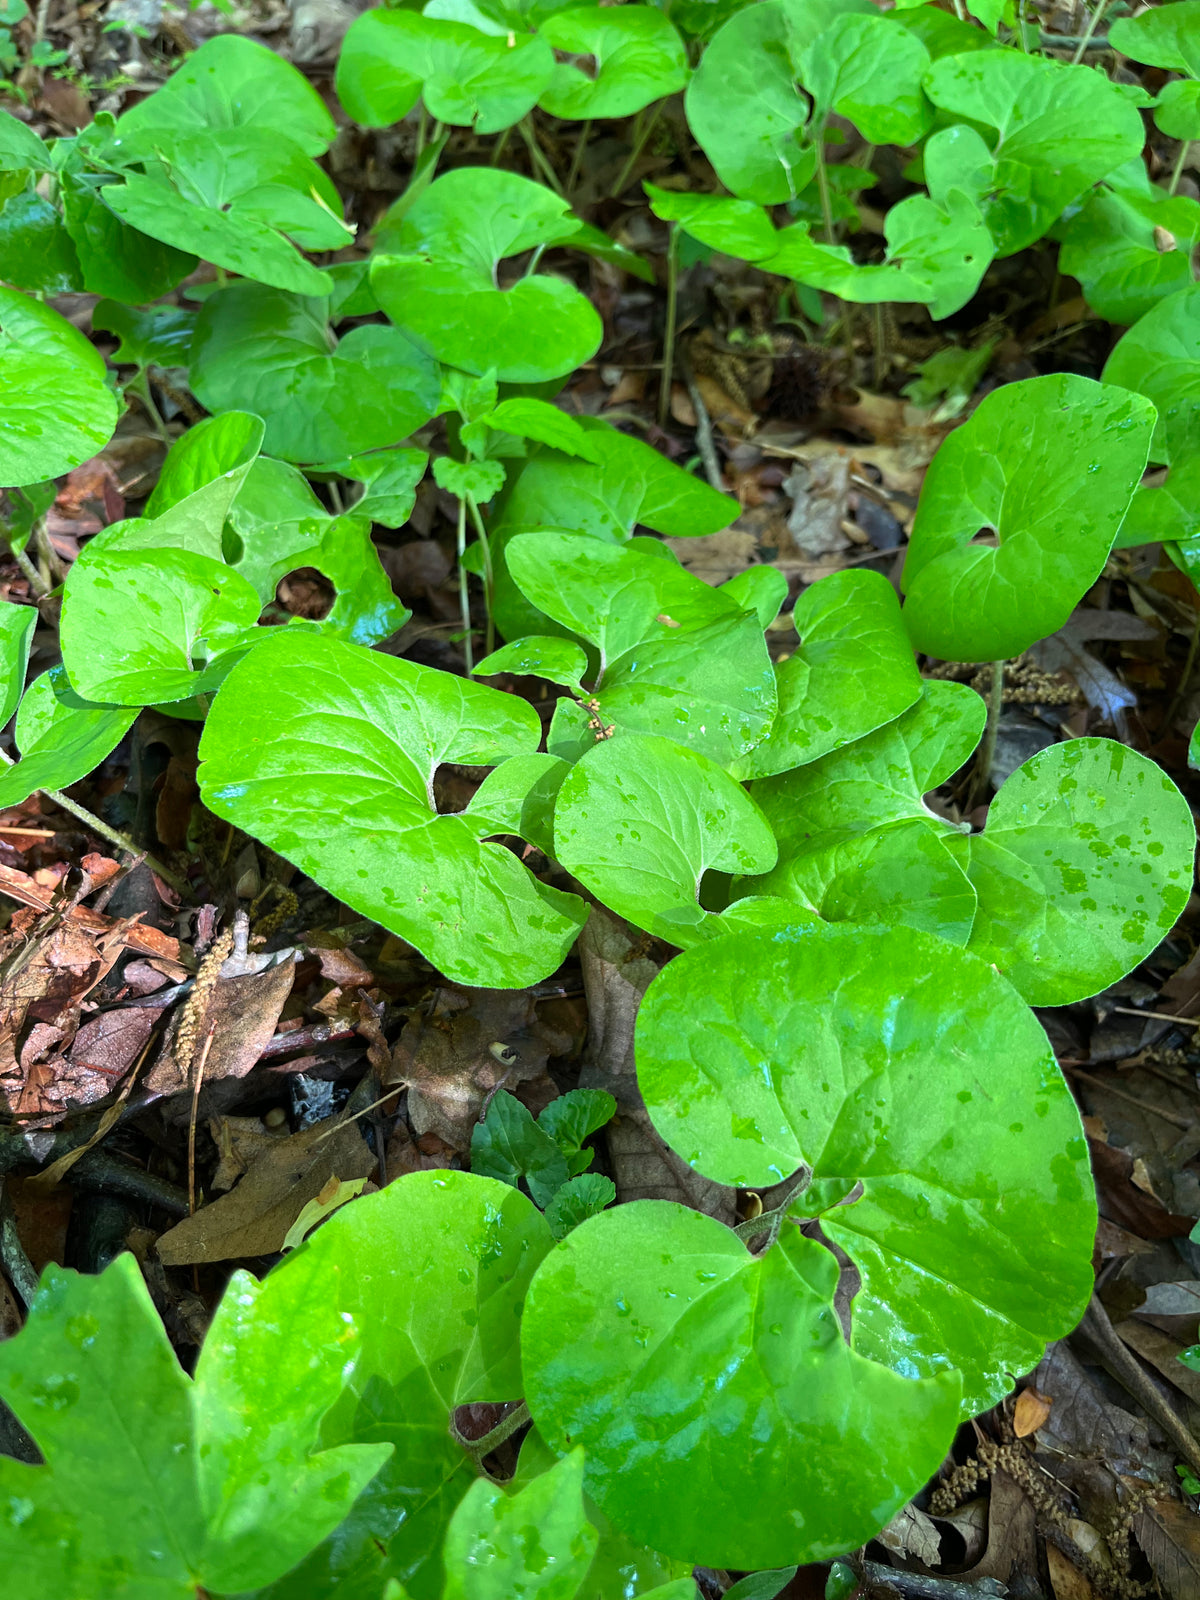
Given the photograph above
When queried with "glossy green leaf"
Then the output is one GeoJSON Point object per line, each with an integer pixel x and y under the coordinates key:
{"type": "Point", "coordinates": [518, 796]}
{"type": "Point", "coordinates": [677, 658]}
{"type": "Point", "coordinates": [58, 410]}
{"type": "Point", "coordinates": [1166, 511]}
{"type": "Point", "coordinates": [115, 259]}
{"type": "Point", "coordinates": [529, 418]}
{"type": "Point", "coordinates": [160, 336]}
{"type": "Point", "coordinates": [762, 1585]}
{"type": "Point", "coordinates": [862, 66]}
{"type": "Point", "coordinates": [159, 1484]}
{"type": "Point", "coordinates": [1045, 470]}
{"type": "Point", "coordinates": [559, 660]}
{"type": "Point", "coordinates": [1057, 130]}
{"type": "Point", "coordinates": [20, 148]}
{"type": "Point", "coordinates": [439, 284]}
{"type": "Point", "coordinates": [1083, 869]}
{"type": "Point", "coordinates": [233, 82]}
{"type": "Point", "coordinates": [534, 1545]}
{"type": "Point", "coordinates": [144, 626]}
{"type": "Point", "coordinates": [307, 726]}
{"type": "Point", "coordinates": [1165, 37]}
{"type": "Point", "coordinates": [860, 1052]}
{"type": "Point", "coordinates": [510, 1145]}
{"type": "Point", "coordinates": [272, 353]}
{"type": "Point", "coordinates": [638, 54]}
{"type": "Point", "coordinates": [1113, 245]}
{"type": "Point", "coordinates": [478, 479]}
{"type": "Point", "coordinates": [36, 251]}
{"type": "Point", "coordinates": [433, 1270]}
{"type": "Point", "coordinates": [16, 632]}
{"type": "Point", "coordinates": [223, 447]}
{"type": "Point", "coordinates": [389, 479]}
{"type": "Point", "coordinates": [61, 738]}
{"type": "Point", "coordinates": [466, 78]}
{"type": "Point", "coordinates": [1177, 109]}
{"type": "Point", "coordinates": [365, 609]}
{"type": "Point", "coordinates": [687, 1368]}
{"type": "Point", "coordinates": [852, 671]}
{"type": "Point", "coordinates": [640, 820]}
{"type": "Point", "coordinates": [574, 1117]}
{"type": "Point", "coordinates": [1160, 358]}
{"type": "Point", "coordinates": [584, 1196]}
{"type": "Point", "coordinates": [941, 32]}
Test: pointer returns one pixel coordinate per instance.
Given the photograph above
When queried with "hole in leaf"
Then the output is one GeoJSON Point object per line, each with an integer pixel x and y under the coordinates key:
{"type": "Point", "coordinates": [987, 537]}
{"type": "Point", "coordinates": [587, 64]}
{"type": "Point", "coordinates": [306, 593]}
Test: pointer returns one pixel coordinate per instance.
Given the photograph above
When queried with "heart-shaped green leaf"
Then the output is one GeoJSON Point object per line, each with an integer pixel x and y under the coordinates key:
{"type": "Point", "coordinates": [746, 111]}
{"type": "Point", "coordinates": [161, 336]}
{"type": "Point", "coordinates": [433, 1270]}
{"type": "Point", "coordinates": [1018, 513]}
{"type": "Point", "coordinates": [1177, 109]}
{"type": "Point", "coordinates": [440, 283]}
{"type": "Point", "coordinates": [466, 78]}
{"type": "Point", "coordinates": [195, 1492]}
{"type": "Point", "coordinates": [1113, 246]}
{"type": "Point", "coordinates": [677, 658]}
{"type": "Point", "coordinates": [687, 1368]}
{"type": "Point", "coordinates": [306, 726]}
{"type": "Point", "coordinates": [537, 1544]}
{"type": "Point", "coordinates": [36, 251]}
{"type": "Point", "coordinates": [16, 631]}
{"type": "Point", "coordinates": [273, 353]}
{"type": "Point", "coordinates": [1084, 867]}
{"type": "Point", "coordinates": [114, 259]}
{"type": "Point", "coordinates": [574, 1117]}
{"type": "Point", "coordinates": [866, 68]}
{"type": "Point", "coordinates": [1169, 37]}
{"type": "Point", "coordinates": [852, 671]}
{"type": "Point", "coordinates": [140, 626]}
{"type": "Point", "coordinates": [233, 82]}
{"type": "Point", "coordinates": [560, 660]}
{"type": "Point", "coordinates": [61, 737]}
{"type": "Point", "coordinates": [639, 57]}
{"type": "Point", "coordinates": [58, 410]}
{"type": "Point", "coordinates": [518, 797]}
{"type": "Point", "coordinates": [215, 448]}
{"type": "Point", "coordinates": [1058, 129]}
{"type": "Point", "coordinates": [860, 1052]}
{"type": "Point", "coordinates": [640, 820]}
{"type": "Point", "coordinates": [510, 1145]}
{"type": "Point", "coordinates": [1160, 358]}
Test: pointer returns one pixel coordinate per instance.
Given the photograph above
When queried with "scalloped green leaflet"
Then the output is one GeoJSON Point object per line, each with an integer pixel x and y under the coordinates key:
{"type": "Point", "coordinates": [638, 54]}
{"type": "Point", "coordinates": [60, 736]}
{"type": "Point", "coordinates": [746, 111]}
{"type": "Point", "coordinates": [17, 623]}
{"type": "Point", "coordinates": [307, 727]}
{"type": "Point", "coordinates": [160, 336]}
{"type": "Point", "coordinates": [510, 1145]}
{"type": "Point", "coordinates": [271, 352]}
{"type": "Point", "coordinates": [58, 410]}
{"type": "Point", "coordinates": [860, 1052]}
{"type": "Point", "coordinates": [223, 447]}
{"type": "Point", "coordinates": [433, 1270]}
{"type": "Point", "coordinates": [867, 68]}
{"type": "Point", "coordinates": [1112, 245]}
{"type": "Point", "coordinates": [1160, 358]}
{"type": "Point", "coordinates": [159, 1484]}
{"type": "Point", "coordinates": [1083, 869]}
{"type": "Point", "coordinates": [144, 626]}
{"type": "Point", "coordinates": [467, 78]}
{"type": "Point", "coordinates": [857, 843]}
{"type": "Point", "coordinates": [439, 285]}
{"type": "Point", "coordinates": [536, 1544]}
{"type": "Point", "coordinates": [232, 82]}
{"type": "Point", "coordinates": [1049, 466]}
{"type": "Point", "coordinates": [1059, 129]}
{"type": "Point", "coordinates": [852, 671]}
{"type": "Point", "coordinates": [687, 1368]}
{"type": "Point", "coordinates": [677, 658]}
{"type": "Point", "coordinates": [389, 479]}
{"type": "Point", "coordinates": [1169, 37]}
{"type": "Point", "coordinates": [640, 820]}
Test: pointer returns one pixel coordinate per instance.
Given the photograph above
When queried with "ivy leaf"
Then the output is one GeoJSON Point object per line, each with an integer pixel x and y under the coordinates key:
{"type": "Point", "coordinates": [16, 631]}
{"type": "Point", "coordinates": [1058, 130]}
{"type": "Point", "coordinates": [852, 671]}
{"type": "Point", "coordinates": [861, 1052]}
{"type": "Point", "coordinates": [160, 336]}
{"type": "Point", "coordinates": [467, 78]}
{"type": "Point", "coordinates": [677, 658]}
{"type": "Point", "coordinates": [1046, 468]}
{"type": "Point", "coordinates": [439, 284]}
{"type": "Point", "coordinates": [60, 736]}
{"type": "Point", "coordinates": [638, 54]}
{"type": "Point", "coordinates": [746, 110]}
{"type": "Point", "coordinates": [1169, 38]}
{"type": "Point", "coordinates": [58, 410]}
{"type": "Point", "coordinates": [234, 82]}
{"type": "Point", "coordinates": [1113, 245]}
{"type": "Point", "coordinates": [509, 1145]}
{"type": "Point", "coordinates": [687, 1368]}
{"type": "Point", "coordinates": [286, 740]}
{"type": "Point", "coordinates": [433, 1270]}
{"type": "Point", "coordinates": [192, 1483]}
{"type": "Point", "coordinates": [867, 69]}
{"type": "Point", "coordinates": [537, 1544]}
{"type": "Point", "coordinates": [1083, 869]}
{"type": "Point", "coordinates": [584, 1196]}
{"type": "Point", "coordinates": [639, 820]}
{"type": "Point", "coordinates": [1160, 358]}
{"type": "Point", "coordinates": [141, 627]}
{"type": "Point", "coordinates": [574, 1117]}
{"type": "Point", "coordinates": [273, 353]}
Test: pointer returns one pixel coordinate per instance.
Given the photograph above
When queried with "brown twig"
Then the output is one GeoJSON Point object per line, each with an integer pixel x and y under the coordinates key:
{"type": "Point", "coordinates": [197, 1080]}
